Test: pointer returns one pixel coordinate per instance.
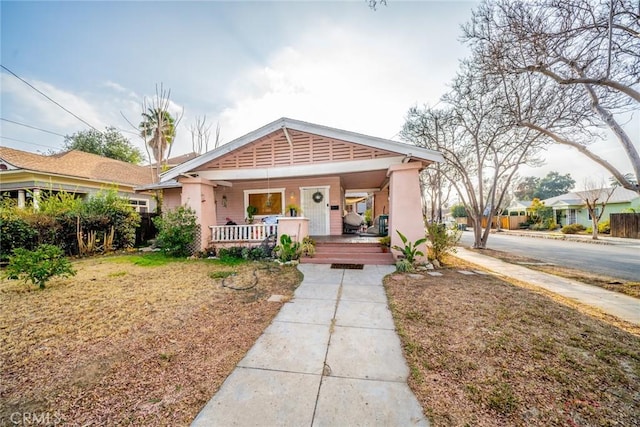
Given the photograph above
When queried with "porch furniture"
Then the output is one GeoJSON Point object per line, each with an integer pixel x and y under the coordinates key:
{"type": "Point", "coordinates": [380, 226]}
{"type": "Point", "coordinates": [351, 223]}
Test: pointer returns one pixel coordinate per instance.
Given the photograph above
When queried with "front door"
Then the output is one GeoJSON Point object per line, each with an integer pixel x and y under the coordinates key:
{"type": "Point", "coordinates": [315, 206]}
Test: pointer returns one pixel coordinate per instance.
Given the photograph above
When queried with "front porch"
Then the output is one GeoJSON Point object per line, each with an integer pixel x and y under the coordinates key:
{"type": "Point", "coordinates": [332, 249]}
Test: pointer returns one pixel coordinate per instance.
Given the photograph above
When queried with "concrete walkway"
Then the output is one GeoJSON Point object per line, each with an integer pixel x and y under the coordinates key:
{"type": "Point", "coordinates": [330, 357]}
{"type": "Point", "coordinates": [614, 303]}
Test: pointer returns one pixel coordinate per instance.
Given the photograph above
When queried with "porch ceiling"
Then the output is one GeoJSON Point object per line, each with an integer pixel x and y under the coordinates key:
{"type": "Point", "coordinates": [364, 180]}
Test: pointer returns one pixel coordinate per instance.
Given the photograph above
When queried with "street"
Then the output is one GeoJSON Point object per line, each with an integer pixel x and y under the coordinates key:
{"type": "Point", "coordinates": [621, 261]}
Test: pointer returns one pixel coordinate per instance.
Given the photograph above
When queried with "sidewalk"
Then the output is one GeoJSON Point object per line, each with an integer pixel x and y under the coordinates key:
{"type": "Point", "coordinates": [330, 357]}
{"type": "Point", "coordinates": [603, 239]}
{"type": "Point", "coordinates": [614, 303]}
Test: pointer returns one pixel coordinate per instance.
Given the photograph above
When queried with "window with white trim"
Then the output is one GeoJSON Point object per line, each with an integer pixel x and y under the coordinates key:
{"type": "Point", "coordinates": [267, 201]}
{"type": "Point", "coordinates": [597, 212]}
{"type": "Point", "coordinates": [139, 205]}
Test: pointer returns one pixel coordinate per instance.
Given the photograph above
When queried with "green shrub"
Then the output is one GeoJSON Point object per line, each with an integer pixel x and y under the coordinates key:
{"type": "Point", "coordinates": [39, 266]}
{"type": "Point", "coordinates": [177, 230]}
{"type": "Point", "coordinates": [442, 241]}
{"type": "Point", "coordinates": [287, 250]}
{"type": "Point", "coordinates": [459, 211]}
{"type": "Point", "coordinates": [410, 250]}
{"type": "Point", "coordinates": [604, 227]}
{"type": "Point", "coordinates": [106, 209]}
{"type": "Point", "coordinates": [308, 246]}
{"type": "Point", "coordinates": [573, 228]}
{"type": "Point", "coordinates": [15, 232]}
{"type": "Point", "coordinates": [404, 266]}
{"type": "Point", "coordinates": [543, 225]}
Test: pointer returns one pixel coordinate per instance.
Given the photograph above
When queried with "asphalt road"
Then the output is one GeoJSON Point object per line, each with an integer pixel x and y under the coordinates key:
{"type": "Point", "coordinates": [620, 261]}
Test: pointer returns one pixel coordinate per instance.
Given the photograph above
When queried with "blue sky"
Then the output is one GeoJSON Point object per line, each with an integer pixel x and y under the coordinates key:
{"type": "Point", "coordinates": [243, 64]}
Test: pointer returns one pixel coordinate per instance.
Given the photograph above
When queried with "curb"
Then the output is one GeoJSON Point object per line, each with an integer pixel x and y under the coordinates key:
{"type": "Point", "coordinates": [570, 237]}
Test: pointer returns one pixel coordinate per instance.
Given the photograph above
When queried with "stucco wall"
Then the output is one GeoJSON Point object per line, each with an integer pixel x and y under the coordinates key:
{"type": "Point", "coordinates": [171, 198]}
{"type": "Point", "coordinates": [229, 201]}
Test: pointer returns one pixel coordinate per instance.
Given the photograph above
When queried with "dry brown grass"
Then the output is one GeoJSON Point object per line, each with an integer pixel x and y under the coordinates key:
{"type": "Point", "coordinates": [485, 352]}
{"type": "Point", "coordinates": [123, 344]}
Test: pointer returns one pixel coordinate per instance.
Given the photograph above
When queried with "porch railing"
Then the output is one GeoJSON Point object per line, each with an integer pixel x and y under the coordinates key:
{"type": "Point", "coordinates": [242, 233]}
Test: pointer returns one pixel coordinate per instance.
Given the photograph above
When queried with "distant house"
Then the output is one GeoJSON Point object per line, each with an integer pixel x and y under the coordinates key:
{"type": "Point", "coordinates": [519, 207]}
{"type": "Point", "coordinates": [175, 161]}
{"type": "Point", "coordinates": [26, 176]}
{"type": "Point", "coordinates": [570, 208]}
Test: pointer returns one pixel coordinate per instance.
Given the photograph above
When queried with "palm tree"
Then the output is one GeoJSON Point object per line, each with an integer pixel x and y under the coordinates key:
{"type": "Point", "coordinates": [158, 125]}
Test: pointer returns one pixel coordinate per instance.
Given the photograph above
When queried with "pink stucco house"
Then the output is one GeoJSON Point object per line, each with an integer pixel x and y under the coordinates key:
{"type": "Point", "coordinates": [293, 162]}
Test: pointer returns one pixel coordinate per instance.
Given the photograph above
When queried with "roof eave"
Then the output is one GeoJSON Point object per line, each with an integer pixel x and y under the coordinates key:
{"type": "Point", "coordinates": [384, 144]}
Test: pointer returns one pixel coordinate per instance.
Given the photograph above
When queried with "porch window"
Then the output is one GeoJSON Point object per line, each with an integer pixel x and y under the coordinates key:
{"type": "Point", "coordinates": [139, 205]}
{"type": "Point", "coordinates": [597, 212]}
{"type": "Point", "coordinates": [267, 201]}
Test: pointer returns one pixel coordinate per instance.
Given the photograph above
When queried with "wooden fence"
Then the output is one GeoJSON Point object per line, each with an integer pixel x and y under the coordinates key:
{"type": "Point", "coordinates": [506, 222]}
{"type": "Point", "coordinates": [625, 225]}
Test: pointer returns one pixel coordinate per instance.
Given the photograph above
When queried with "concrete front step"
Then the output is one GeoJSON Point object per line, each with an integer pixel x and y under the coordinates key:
{"type": "Point", "coordinates": [354, 258]}
{"type": "Point", "coordinates": [349, 253]}
{"type": "Point", "coordinates": [345, 249]}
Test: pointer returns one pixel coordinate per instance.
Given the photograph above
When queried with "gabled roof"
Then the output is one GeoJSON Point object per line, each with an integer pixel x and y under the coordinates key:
{"type": "Point", "coordinates": [619, 195]}
{"type": "Point", "coordinates": [520, 204]}
{"type": "Point", "coordinates": [78, 164]}
{"type": "Point", "coordinates": [174, 161]}
{"type": "Point", "coordinates": [296, 125]}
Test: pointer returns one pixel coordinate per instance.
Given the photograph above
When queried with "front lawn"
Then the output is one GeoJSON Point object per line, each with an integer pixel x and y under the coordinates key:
{"type": "Point", "coordinates": [138, 340]}
{"type": "Point", "coordinates": [484, 352]}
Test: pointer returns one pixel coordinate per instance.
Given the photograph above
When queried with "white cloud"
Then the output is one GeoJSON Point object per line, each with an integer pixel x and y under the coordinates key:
{"type": "Point", "coordinates": [346, 81]}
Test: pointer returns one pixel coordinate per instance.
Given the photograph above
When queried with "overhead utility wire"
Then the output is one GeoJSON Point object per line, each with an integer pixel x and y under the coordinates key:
{"type": "Point", "coordinates": [46, 96]}
{"type": "Point", "coordinates": [25, 142]}
{"type": "Point", "coordinates": [32, 127]}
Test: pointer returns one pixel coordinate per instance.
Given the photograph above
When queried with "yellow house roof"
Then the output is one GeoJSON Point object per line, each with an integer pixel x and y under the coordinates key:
{"type": "Point", "coordinates": [78, 164]}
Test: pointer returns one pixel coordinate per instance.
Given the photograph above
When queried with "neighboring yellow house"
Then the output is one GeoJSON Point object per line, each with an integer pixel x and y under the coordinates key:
{"type": "Point", "coordinates": [25, 176]}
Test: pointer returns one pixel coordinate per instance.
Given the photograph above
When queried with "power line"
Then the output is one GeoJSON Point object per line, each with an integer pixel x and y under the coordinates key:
{"type": "Point", "coordinates": [32, 127]}
{"type": "Point", "coordinates": [25, 142]}
{"type": "Point", "coordinates": [46, 96]}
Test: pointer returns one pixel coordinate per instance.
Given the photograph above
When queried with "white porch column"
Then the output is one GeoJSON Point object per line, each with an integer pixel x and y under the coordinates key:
{"type": "Point", "coordinates": [199, 195]}
{"type": "Point", "coordinates": [405, 204]}
{"type": "Point", "coordinates": [36, 199]}
{"type": "Point", "coordinates": [21, 199]}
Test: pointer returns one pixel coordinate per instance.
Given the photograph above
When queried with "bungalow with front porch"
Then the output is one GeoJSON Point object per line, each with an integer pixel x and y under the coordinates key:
{"type": "Point", "coordinates": [293, 163]}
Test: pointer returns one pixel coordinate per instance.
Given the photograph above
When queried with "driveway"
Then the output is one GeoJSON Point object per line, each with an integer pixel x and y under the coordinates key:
{"type": "Point", "coordinates": [621, 261]}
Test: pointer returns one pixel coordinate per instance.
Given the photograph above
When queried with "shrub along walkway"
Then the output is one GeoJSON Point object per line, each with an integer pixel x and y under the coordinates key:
{"type": "Point", "coordinates": [619, 305]}
{"type": "Point", "coordinates": [330, 357]}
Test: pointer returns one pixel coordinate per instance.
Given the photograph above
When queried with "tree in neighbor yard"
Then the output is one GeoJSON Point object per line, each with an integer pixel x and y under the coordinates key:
{"type": "Point", "coordinates": [588, 50]}
{"type": "Point", "coordinates": [481, 146]}
{"type": "Point", "coordinates": [553, 184]}
{"type": "Point", "coordinates": [158, 127]}
{"type": "Point", "coordinates": [435, 194]}
{"type": "Point", "coordinates": [201, 135]}
{"type": "Point", "coordinates": [595, 196]}
{"type": "Point", "coordinates": [109, 143]}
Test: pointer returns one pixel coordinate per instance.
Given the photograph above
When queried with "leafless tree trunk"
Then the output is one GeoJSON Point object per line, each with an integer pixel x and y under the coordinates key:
{"type": "Point", "coordinates": [481, 146]}
{"type": "Point", "coordinates": [201, 135]}
{"type": "Point", "coordinates": [595, 196]}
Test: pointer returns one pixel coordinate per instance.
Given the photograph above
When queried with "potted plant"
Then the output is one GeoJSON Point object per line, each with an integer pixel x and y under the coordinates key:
{"type": "Point", "coordinates": [251, 211]}
{"type": "Point", "coordinates": [385, 243]}
{"type": "Point", "coordinates": [293, 209]}
{"type": "Point", "coordinates": [308, 247]}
